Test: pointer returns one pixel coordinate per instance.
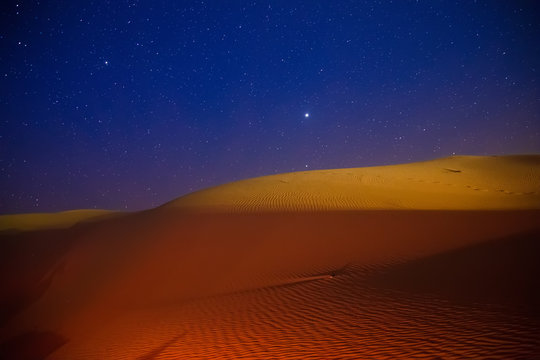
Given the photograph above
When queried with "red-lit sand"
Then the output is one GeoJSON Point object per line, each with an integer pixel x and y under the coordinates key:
{"type": "Point", "coordinates": [425, 260]}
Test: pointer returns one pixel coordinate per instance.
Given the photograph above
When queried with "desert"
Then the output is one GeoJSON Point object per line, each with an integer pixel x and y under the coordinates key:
{"type": "Point", "coordinates": [434, 259]}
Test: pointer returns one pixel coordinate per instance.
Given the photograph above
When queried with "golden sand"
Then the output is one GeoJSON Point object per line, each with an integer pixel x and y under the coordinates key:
{"type": "Point", "coordinates": [453, 183]}
{"type": "Point", "coordinates": [292, 266]}
{"type": "Point", "coordinates": [36, 221]}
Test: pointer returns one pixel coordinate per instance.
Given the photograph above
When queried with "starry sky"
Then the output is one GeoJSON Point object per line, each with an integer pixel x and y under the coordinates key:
{"type": "Point", "coordinates": [129, 104]}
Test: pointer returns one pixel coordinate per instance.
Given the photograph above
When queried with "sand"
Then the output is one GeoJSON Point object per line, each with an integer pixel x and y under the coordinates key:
{"type": "Point", "coordinates": [37, 221]}
{"type": "Point", "coordinates": [422, 260]}
{"type": "Point", "coordinates": [453, 183]}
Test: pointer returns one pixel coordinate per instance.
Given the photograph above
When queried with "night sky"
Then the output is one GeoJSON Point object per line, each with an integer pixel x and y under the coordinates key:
{"type": "Point", "coordinates": [129, 104]}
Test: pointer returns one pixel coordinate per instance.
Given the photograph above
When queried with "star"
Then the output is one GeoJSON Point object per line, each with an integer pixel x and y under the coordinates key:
{"type": "Point", "coordinates": [306, 115]}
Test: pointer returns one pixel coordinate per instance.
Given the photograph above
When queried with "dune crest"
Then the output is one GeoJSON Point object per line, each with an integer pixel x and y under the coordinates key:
{"type": "Point", "coordinates": [452, 183]}
{"type": "Point", "coordinates": [38, 221]}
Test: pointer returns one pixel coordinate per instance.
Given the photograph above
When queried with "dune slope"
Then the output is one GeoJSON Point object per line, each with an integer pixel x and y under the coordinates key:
{"type": "Point", "coordinates": [457, 182]}
{"type": "Point", "coordinates": [38, 221]}
{"type": "Point", "coordinates": [291, 276]}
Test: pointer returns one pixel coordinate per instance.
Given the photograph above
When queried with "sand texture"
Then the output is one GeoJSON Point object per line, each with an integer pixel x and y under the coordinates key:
{"type": "Point", "coordinates": [378, 262]}
{"type": "Point", "coordinates": [457, 182]}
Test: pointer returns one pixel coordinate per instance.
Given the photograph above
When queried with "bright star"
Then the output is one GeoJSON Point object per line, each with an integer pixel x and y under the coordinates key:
{"type": "Point", "coordinates": [106, 62]}
{"type": "Point", "coordinates": [306, 115]}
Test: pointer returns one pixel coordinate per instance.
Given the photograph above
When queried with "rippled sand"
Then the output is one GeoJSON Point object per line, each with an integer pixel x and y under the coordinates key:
{"type": "Point", "coordinates": [277, 280]}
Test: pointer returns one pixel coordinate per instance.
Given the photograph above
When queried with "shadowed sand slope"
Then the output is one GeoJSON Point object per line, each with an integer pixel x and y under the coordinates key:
{"type": "Point", "coordinates": [457, 182]}
{"type": "Point", "coordinates": [176, 282]}
{"type": "Point", "coordinates": [31, 346]}
{"type": "Point", "coordinates": [507, 273]}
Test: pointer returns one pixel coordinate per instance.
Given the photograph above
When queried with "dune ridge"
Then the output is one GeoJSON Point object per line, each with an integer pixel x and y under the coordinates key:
{"type": "Point", "coordinates": [255, 269]}
{"type": "Point", "coordinates": [58, 220]}
{"type": "Point", "coordinates": [457, 182]}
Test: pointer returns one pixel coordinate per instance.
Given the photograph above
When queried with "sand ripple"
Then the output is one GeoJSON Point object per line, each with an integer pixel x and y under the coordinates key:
{"type": "Point", "coordinates": [330, 317]}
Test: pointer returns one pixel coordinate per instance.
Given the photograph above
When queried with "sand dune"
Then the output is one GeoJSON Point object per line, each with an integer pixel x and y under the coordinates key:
{"type": "Point", "coordinates": [37, 221]}
{"type": "Point", "coordinates": [457, 182]}
{"type": "Point", "coordinates": [507, 274]}
{"type": "Point", "coordinates": [305, 268]}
